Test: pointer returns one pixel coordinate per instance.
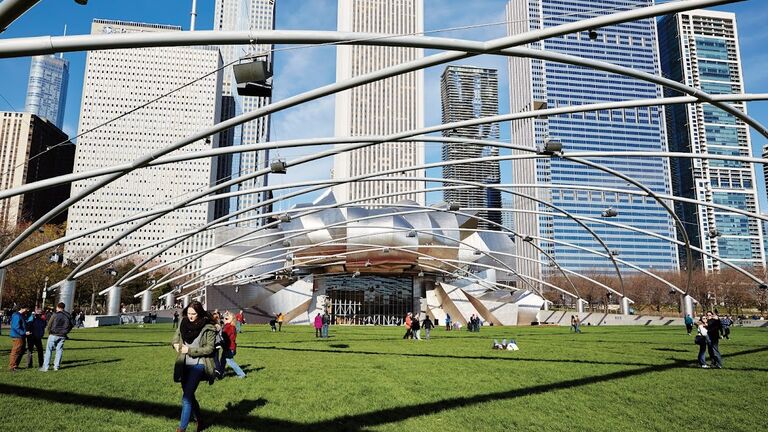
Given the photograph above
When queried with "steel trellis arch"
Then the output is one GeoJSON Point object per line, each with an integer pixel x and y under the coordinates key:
{"type": "Point", "coordinates": [490, 46]}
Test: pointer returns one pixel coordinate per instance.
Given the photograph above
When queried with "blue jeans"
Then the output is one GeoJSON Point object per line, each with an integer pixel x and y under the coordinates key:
{"type": "Point", "coordinates": [702, 353]}
{"type": "Point", "coordinates": [714, 352]}
{"type": "Point", "coordinates": [324, 331]}
{"type": "Point", "coordinates": [190, 379]}
{"type": "Point", "coordinates": [229, 356]}
{"type": "Point", "coordinates": [58, 343]}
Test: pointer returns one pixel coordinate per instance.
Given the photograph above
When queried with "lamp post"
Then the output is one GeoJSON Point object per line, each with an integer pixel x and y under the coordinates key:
{"type": "Point", "coordinates": [45, 293]}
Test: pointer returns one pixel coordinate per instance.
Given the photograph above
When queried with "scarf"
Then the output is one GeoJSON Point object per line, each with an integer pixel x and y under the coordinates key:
{"type": "Point", "coordinates": [191, 330]}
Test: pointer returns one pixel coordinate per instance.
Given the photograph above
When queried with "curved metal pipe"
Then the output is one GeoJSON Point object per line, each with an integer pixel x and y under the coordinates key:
{"type": "Point", "coordinates": [489, 46]}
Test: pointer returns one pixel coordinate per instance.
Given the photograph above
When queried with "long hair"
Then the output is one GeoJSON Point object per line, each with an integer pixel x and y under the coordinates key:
{"type": "Point", "coordinates": [201, 312]}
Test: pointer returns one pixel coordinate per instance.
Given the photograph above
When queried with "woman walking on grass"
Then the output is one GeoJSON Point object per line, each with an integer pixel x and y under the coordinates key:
{"type": "Point", "coordinates": [193, 343]}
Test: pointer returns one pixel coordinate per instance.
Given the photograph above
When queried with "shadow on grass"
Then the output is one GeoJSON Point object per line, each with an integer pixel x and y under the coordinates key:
{"type": "Point", "coordinates": [246, 368]}
{"type": "Point", "coordinates": [238, 414]}
{"type": "Point", "coordinates": [444, 356]}
{"type": "Point", "coordinates": [671, 350]}
{"type": "Point", "coordinates": [69, 364]}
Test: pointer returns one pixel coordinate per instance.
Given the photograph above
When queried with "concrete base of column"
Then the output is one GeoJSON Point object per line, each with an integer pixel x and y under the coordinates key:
{"type": "Point", "coordinates": [580, 305]}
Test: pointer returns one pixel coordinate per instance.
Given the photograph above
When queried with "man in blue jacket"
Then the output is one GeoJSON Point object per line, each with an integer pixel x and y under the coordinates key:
{"type": "Point", "coordinates": [58, 328]}
{"type": "Point", "coordinates": [18, 335]}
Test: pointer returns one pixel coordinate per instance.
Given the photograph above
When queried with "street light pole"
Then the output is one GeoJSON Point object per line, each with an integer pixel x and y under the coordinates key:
{"type": "Point", "coordinates": [2, 283]}
{"type": "Point", "coordinates": [45, 293]}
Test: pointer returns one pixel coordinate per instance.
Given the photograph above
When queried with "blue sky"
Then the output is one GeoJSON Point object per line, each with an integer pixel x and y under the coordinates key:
{"type": "Point", "coordinates": [307, 68]}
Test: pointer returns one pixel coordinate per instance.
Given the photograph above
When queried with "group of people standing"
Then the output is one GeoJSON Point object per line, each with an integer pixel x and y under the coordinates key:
{"type": "Point", "coordinates": [27, 330]}
{"type": "Point", "coordinates": [708, 331]}
{"type": "Point", "coordinates": [321, 324]}
{"type": "Point", "coordinates": [413, 327]}
{"type": "Point", "coordinates": [474, 323]}
{"type": "Point", "coordinates": [276, 323]}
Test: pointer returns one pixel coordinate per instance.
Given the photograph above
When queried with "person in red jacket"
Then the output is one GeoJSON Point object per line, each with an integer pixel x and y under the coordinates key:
{"type": "Point", "coordinates": [230, 345]}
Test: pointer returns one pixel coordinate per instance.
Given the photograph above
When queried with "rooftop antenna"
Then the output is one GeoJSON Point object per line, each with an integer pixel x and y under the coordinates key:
{"type": "Point", "coordinates": [193, 15]}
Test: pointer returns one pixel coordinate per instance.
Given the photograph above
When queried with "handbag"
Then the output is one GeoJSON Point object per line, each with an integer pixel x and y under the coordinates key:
{"type": "Point", "coordinates": [178, 369]}
{"type": "Point", "coordinates": [699, 340]}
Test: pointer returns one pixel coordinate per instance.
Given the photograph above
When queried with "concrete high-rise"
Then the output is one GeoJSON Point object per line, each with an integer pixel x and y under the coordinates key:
{"type": "Point", "coordinates": [701, 49]}
{"type": "Point", "coordinates": [381, 108]}
{"type": "Point", "coordinates": [116, 81]}
{"type": "Point", "coordinates": [47, 88]}
{"type": "Point", "coordinates": [233, 15]}
{"type": "Point", "coordinates": [535, 84]}
{"type": "Point", "coordinates": [31, 149]}
{"type": "Point", "coordinates": [469, 92]}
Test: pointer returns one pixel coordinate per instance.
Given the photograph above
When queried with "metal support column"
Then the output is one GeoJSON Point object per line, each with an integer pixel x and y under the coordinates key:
{"type": "Point", "coordinates": [67, 294]}
{"type": "Point", "coordinates": [113, 300]}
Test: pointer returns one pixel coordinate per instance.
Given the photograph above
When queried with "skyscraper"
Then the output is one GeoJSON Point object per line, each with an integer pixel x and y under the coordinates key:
{"type": "Point", "coordinates": [24, 139]}
{"type": "Point", "coordinates": [469, 92]}
{"type": "Point", "coordinates": [537, 83]}
{"type": "Point", "coordinates": [384, 107]}
{"type": "Point", "coordinates": [47, 88]}
{"type": "Point", "coordinates": [233, 15]}
{"type": "Point", "coordinates": [116, 81]}
{"type": "Point", "coordinates": [701, 49]}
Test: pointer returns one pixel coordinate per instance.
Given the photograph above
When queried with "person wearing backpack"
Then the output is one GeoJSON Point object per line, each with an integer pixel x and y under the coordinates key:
{"type": "Point", "coordinates": [58, 328]}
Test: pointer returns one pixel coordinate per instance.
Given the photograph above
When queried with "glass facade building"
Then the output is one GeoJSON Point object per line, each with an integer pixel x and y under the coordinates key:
{"type": "Point", "coordinates": [232, 15]}
{"type": "Point", "coordinates": [535, 84]}
{"type": "Point", "coordinates": [469, 92]}
{"type": "Point", "coordinates": [47, 88]}
{"type": "Point", "coordinates": [700, 49]}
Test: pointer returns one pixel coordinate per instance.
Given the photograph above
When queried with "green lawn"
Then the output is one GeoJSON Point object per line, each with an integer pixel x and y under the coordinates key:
{"type": "Point", "coordinates": [368, 378]}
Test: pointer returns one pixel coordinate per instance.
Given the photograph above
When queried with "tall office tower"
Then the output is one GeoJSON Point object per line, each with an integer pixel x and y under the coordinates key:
{"type": "Point", "coordinates": [47, 88]}
{"type": "Point", "coordinates": [231, 15]}
{"type": "Point", "coordinates": [381, 108]}
{"type": "Point", "coordinates": [24, 139]}
{"type": "Point", "coordinates": [115, 82]}
{"type": "Point", "coordinates": [507, 217]}
{"type": "Point", "coordinates": [469, 92]}
{"type": "Point", "coordinates": [535, 84]}
{"type": "Point", "coordinates": [701, 49]}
